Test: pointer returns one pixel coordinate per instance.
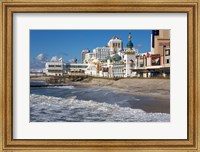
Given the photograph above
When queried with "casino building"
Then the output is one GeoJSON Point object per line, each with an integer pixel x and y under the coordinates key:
{"type": "Point", "coordinates": [114, 61]}
{"type": "Point", "coordinates": [157, 61]}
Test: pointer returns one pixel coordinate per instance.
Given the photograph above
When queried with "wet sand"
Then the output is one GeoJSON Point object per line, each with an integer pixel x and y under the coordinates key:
{"type": "Point", "coordinates": [154, 94]}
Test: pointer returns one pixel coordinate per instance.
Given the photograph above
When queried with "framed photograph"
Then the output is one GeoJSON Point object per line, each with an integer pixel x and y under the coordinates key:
{"type": "Point", "coordinates": [95, 75]}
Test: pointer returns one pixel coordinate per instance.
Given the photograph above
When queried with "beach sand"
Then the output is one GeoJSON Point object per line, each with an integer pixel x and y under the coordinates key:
{"type": "Point", "coordinates": [154, 94]}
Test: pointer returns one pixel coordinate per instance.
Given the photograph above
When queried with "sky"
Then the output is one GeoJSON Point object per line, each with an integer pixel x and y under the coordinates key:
{"type": "Point", "coordinates": [49, 45]}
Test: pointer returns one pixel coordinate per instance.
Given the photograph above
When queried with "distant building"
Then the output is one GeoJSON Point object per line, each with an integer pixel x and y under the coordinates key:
{"type": "Point", "coordinates": [88, 57]}
{"type": "Point", "coordinates": [101, 53]}
{"type": "Point", "coordinates": [37, 74]}
{"type": "Point", "coordinates": [83, 53]}
{"type": "Point", "coordinates": [55, 68]}
{"type": "Point", "coordinates": [129, 57]}
{"type": "Point", "coordinates": [61, 68]}
{"type": "Point", "coordinates": [116, 70]}
{"type": "Point", "coordinates": [77, 67]}
{"type": "Point", "coordinates": [114, 61]}
{"type": "Point", "coordinates": [115, 44]}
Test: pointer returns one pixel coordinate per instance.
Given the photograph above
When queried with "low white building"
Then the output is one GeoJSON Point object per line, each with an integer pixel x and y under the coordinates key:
{"type": "Point", "coordinates": [77, 67]}
{"type": "Point", "coordinates": [54, 68]}
{"type": "Point", "coordinates": [117, 70]}
{"type": "Point", "coordinates": [93, 68]}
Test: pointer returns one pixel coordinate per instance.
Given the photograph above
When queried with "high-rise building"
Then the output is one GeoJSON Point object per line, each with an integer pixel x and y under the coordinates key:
{"type": "Point", "coordinates": [83, 54]}
{"type": "Point", "coordinates": [101, 53]}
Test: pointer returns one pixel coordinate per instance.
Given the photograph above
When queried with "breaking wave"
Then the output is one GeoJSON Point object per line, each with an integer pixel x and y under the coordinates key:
{"type": "Point", "coordinates": [62, 87]}
{"type": "Point", "coordinates": [54, 109]}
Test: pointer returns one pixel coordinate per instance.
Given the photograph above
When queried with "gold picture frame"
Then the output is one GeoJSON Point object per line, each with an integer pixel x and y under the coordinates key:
{"type": "Point", "coordinates": [191, 7]}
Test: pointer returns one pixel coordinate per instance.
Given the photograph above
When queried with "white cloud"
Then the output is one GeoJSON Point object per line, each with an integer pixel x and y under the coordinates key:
{"type": "Point", "coordinates": [54, 59]}
{"type": "Point", "coordinates": [41, 57]}
{"type": "Point", "coordinates": [73, 60]}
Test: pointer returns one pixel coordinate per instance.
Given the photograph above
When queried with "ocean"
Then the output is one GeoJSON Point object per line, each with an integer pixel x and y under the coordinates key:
{"type": "Point", "coordinates": [81, 104]}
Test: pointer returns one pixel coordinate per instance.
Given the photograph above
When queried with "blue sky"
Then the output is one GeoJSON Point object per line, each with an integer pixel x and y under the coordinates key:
{"type": "Point", "coordinates": [45, 44]}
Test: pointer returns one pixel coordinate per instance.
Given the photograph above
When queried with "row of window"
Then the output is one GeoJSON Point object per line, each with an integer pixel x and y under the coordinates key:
{"type": "Point", "coordinates": [78, 66]}
{"type": "Point", "coordinates": [117, 70]}
{"type": "Point", "coordinates": [141, 64]}
{"type": "Point", "coordinates": [51, 66]}
{"type": "Point", "coordinates": [69, 66]}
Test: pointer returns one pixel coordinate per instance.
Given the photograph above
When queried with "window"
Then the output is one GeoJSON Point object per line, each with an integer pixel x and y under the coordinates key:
{"type": "Point", "coordinates": [58, 65]}
{"type": "Point", "coordinates": [167, 52]}
{"type": "Point", "coordinates": [167, 60]}
{"type": "Point", "coordinates": [51, 66]}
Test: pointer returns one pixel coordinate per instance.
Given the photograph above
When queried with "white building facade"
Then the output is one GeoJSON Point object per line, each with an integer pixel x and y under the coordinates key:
{"type": "Point", "coordinates": [54, 68]}
{"type": "Point", "coordinates": [102, 53]}
{"type": "Point", "coordinates": [115, 44]}
{"type": "Point", "coordinates": [88, 57]}
{"type": "Point", "coordinates": [129, 58]}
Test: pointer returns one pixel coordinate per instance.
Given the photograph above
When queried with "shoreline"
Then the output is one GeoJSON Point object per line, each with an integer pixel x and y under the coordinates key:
{"type": "Point", "coordinates": [140, 87]}
{"type": "Point", "coordinates": [154, 94]}
{"type": "Point", "coordinates": [154, 99]}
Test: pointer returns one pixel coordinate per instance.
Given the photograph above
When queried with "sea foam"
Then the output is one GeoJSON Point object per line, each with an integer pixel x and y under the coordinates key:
{"type": "Point", "coordinates": [54, 109]}
{"type": "Point", "coordinates": [62, 87]}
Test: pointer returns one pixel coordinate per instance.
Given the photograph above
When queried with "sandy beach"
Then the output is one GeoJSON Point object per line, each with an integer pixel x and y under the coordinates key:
{"type": "Point", "coordinates": [154, 94]}
{"type": "Point", "coordinates": [144, 87]}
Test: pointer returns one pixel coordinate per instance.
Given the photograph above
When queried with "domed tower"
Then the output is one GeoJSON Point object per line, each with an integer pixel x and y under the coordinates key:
{"type": "Point", "coordinates": [115, 44]}
{"type": "Point", "coordinates": [129, 45]}
{"type": "Point", "coordinates": [129, 57]}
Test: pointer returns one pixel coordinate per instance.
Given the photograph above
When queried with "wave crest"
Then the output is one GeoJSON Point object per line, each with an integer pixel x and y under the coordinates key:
{"type": "Point", "coordinates": [52, 109]}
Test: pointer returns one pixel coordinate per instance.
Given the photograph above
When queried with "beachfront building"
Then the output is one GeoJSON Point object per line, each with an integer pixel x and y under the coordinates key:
{"type": "Point", "coordinates": [54, 68]}
{"type": "Point", "coordinates": [115, 44]}
{"type": "Point", "coordinates": [115, 62]}
{"type": "Point", "coordinates": [60, 68]}
{"type": "Point", "coordinates": [37, 72]}
{"type": "Point", "coordinates": [75, 69]}
{"type": "Point", "coordinates": [156, 62]}
{"type": "Point", "coordinates": [116, 70]}
{"type": "Point", "coordinates": [109, 61]}
{"type": "Point", "coordinates": [89, 57]}
{"type": "Point", "coordinates": [129, 58]}
{"type": "Point", "coordinates": [93, 68]}
{"type": "Point", "coordinates": [101, 52]}
{"type": "Point", "coordinates": [104, 70]}
{"type": "Point", "coordinates": [113, 68]}
{"type": "Point", "coordinates": [83, 53]}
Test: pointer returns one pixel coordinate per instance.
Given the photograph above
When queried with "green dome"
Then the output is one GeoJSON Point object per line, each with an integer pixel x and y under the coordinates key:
{"type": "Point", "coordinates": [116, 57]}
{"type": "Point", "coordinates": [108, 58]}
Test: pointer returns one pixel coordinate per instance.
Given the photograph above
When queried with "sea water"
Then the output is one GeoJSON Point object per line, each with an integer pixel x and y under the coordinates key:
{"type": "Point", "coordinates": [79, 104]}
